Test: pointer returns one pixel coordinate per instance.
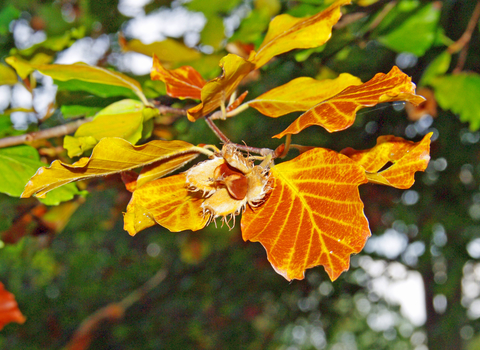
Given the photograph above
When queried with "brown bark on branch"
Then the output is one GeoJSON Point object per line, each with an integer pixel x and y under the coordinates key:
{"type": "Point", "coordinates": [83, 336]}
{"type": "Point", "coordinates": [56, 131]}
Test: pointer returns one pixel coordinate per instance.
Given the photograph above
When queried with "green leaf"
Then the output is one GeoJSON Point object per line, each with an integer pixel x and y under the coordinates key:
{"type": "Point", "coordinates": [461, 94]}
{"type": "Point", "coordinates": [214, 32]}
{"type": "Point", "coordinates": [212, 6]}
{"type": "Point", "coordinates": [252, 27]}
{"type": "Point", "coordinates": [100, 90]}
{"type": "Point", "coordinates": [439, 66]}
{"type": "Point", "coordinates": [416, 34]}
{"type": "Point", "coordinates": [61, 194]}
{"type": "Point", "coordinates": [7, 15]}
{"type": "Point", "coordinates": [78, 71]}
{"type": "Point", "coordinates": [122, 119]}
{"type": "Point", "coordinates": [81, 103]}
{"type": "Point", "coordinates": [75, 111]}
{"type": "Point", "coordinates": [17, 165]}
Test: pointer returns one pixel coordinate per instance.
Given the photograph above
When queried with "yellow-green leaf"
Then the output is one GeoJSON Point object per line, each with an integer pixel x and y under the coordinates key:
{"type": "Point", "coordinates": [168, 50]}
{"type": "Point", "coordinates": [111, 155]}
{"type": "Point", "coordinates": [286, 33]}
{"type": "Point", "coordinates": [7, 75]}
{"type": "Point", "coordinates": [79, 71]}
{"type": "Point", "coordinates": [121, 119]}
{"type": "Point", "coordinates": [169, 203]}
{"type": "Point", "coordinates": [219, 89]}
{"type": "Point", "coordinates": [301, 94]}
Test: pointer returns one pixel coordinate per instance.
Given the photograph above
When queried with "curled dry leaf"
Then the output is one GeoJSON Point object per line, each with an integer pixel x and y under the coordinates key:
{"type": "Point", "coordinates": [407, 158]}
{"type": "Point", "coordinates": [312, 216]}
{"type": "Point", "coordinates": [105, 160]}
{"type": "Point", "coordinates": [9, 311]}
{"type": "Point", "coordinates": [427, 107]}
{"type": "Point", "coordinates": [338, 112]}
{"type": "Point", "coordinates": [183, 82]}
{"type": "Point", "coordinates": [218, 90]}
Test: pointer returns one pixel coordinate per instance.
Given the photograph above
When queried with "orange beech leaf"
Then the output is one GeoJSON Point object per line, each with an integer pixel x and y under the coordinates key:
{"type": "Point", "coordinates": [407, 157]}
{"type": "Point", "coordinates": [301, 94]}
{"type": "Point", "coordinates": [167, 202]}
{"type": "Point", "coordinates": [338, 112]}
{"type": "Point", "coordinates": [312, 216]}
{"type": "Point", "coordinates": [286, 33]}
{"type": "Point", "coordinates": [111, 155]}
{"type": "Point", "coordinates": [183, 82]}
{"type": "Point", "coordinates": [9, 311]}
{"type": "Point", "coordinates": [219, 89]}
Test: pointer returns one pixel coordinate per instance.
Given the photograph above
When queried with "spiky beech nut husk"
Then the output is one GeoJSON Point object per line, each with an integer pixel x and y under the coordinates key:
{"type": "Point", "coordinates": [229, 181]}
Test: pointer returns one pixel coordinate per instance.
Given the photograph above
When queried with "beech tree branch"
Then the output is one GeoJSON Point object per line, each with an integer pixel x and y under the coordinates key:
{"type": "Point", "coordinates": [225, 139]}
{"type": "Point", "coordinates": [112, 312]}
{"type": "Point", "coordinates": [56, 131]}
{"type": "Point", "coordinates": [69, 128]}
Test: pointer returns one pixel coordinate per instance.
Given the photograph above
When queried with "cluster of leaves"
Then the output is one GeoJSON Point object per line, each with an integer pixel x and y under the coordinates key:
{"type": "Point", "coordinates": [418, 21]}
{"type": "Point", "coordinates": [305, 212]}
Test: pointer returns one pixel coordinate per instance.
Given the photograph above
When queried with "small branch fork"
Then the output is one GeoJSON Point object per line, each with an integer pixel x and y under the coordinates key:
{"type": "Point", "coordinates": [84, 334]}
{"type": "Point", "coordinates": [462, 43]}
{"type": "Point", "coordinates": [262, 151]}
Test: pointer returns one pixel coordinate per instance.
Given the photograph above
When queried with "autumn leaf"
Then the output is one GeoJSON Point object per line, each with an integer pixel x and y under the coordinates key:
{"type": "Point", "coordinates": [301, 94]}
{"type": "Point", "coordinates": [9, 311]}
{"type": "Point", "coordinates": [167, 202]}
{"type": "Point", "coordinates": [338, 112]}
{"type": "Point", "coordinates": [219, 89]}
{"type": "Point", "coordinates": [160, 169]}
{"type": "Point", "coordinates": [110, 156]}
{"type": "Point", "coordinates": [78, 71]}
{"type": "Point", "coordinates": [183, 82]}
{"type": "Point", "coordinates": [407, 157]}
{"type": "Point", "coordinates": [313, 215]}
{"type": "Point", "coordinates": [286, 33]}
{"type": "Point", "coordinates": [237, 102]}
